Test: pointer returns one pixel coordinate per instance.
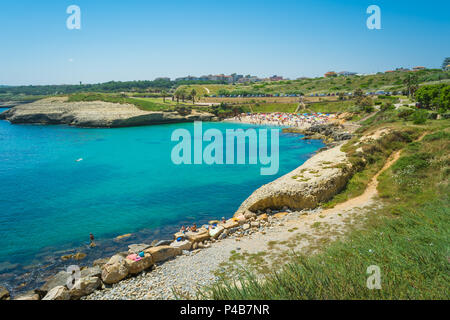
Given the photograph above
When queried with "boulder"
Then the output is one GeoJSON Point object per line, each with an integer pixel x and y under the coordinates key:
{"type": "Point", "coordinates": [216, 232]}
{"type": "Point", "coordinates": [58, 293]}
{"type": "Point", "coordinates": [29, 296]}
{"type": "Point", "coordinates": [84, 287]}
{"type": "Point", "coordinates": [182, 245]}
{"type": "Point", "coordinates": [66, 257]}
{"type": "Point", "coordinates": [115, 270]}
{"type": "Point", "coordinates": [123, 236]}
{"type": "Point", "coordinates": [199, 236]}
{"type": "Point", "coordinates": [248, 215]}
{"type": "Point", "coordinates": [246, 226]}
{"type": "Point", "coordinates": [178, 235]}
{"type": "Point", "coordinates": [100, 262]}
{"type": "Point", "coordinates": [137, 248]}
{"type": "Point", "coordinates": [230, 224]}
{"type": "Point", "coordinates": [280, 215]}
{"type": "Point", "coordinates": [163, 253]}
{"type": "Point", "coordinates": [76, 256]}
{"type": "Point", "coordinates": [254, 224]}
{"type": "Point", "coordinates": [163, 243]}
{"type": "Point", "coordinates": [241, 220]}
{"type": "Point", "coordinates": [135, 267]}
{"type": "Point", "coordinates": [60, 279]}
{"type": "Point", "coordinates": [91, 272]}
{"type": "Point", "coordinates": [4, 294]}
{"type": "Point", "coordinates": [263, 217]}
{"type": "Point", "coordinates": [79, 256]}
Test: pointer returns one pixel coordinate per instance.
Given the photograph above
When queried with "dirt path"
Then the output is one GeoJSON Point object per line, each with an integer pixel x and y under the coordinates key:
{"type": "Point", "coordinates": [369, 193]}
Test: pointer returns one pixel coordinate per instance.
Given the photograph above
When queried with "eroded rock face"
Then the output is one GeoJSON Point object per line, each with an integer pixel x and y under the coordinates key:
{"type": "Point", "coordinates": [93, 114]}
{"type": "Point", "coordinates": [115, 270]}
{"type": "Point", "coordinates": [316, 181]}
{"type": "Point", "coordinates": [58, 293]}
{"type": "Point", "coordinates": [162, 253]}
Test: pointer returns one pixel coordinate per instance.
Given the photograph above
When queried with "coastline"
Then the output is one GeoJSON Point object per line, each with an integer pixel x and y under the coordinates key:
{"type": "Point", "coordinates": [97, 114]}
{"type": "Point", "coordinates": [225, 121]}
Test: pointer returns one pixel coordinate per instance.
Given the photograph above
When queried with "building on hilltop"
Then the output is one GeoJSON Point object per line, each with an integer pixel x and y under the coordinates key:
{"type": "Point", "coordinates": [330, 74]}
{"type": "Point", "coordinates": [347, 73]}
{"type": "Point", "coordinates": [418, 68]}
{"type": "Point", "coordinates": [275, 78]}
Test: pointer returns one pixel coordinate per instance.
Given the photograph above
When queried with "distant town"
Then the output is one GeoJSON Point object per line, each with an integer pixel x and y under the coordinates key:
{"type": "Point", "coordinates": [239, 78]}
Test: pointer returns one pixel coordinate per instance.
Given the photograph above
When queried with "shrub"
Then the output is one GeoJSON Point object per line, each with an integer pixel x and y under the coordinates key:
{"type": "Point", "coordinates": [404, 112]}
{"type": "Point", "coordinates": [412, 163]}
{"type": "Point", "coordinates": [420, 117]}
{"type": "Point", "coordinates": [387, 106]}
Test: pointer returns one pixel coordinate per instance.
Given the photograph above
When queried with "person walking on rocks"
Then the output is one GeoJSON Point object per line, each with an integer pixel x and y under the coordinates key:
{"type": "Point", "coordinates": [91, 237]}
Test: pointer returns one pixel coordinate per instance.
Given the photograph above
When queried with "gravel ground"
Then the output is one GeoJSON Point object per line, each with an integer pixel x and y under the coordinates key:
{"type": "Point", "coordinates": [190, 271]}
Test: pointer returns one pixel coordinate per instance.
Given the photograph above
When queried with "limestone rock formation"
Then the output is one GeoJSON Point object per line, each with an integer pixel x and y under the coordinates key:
{"type": "Point", "coordinates": [93, 114]}
{"type": "Point", "coordinates": [316, 181]}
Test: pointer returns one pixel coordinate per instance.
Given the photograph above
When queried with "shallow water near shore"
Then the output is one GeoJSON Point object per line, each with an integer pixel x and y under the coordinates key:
{"type": "Point", "coordinates": [125, 183]}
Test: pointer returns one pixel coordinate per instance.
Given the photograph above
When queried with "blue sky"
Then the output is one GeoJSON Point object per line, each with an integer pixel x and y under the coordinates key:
{"type": "Point", "coordinates": [141, 40]}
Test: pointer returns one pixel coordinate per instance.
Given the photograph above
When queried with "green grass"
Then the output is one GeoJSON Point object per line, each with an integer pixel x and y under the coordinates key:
{"type": "Point", "coordinates": [331, 107]}
{"type": "Point", "coordinates": [372, 159]}
{"type": "Point", "coordinates": [408, 239]}
{"type": "Point", "coordinates": [141, 103]}
{"type": "Point", "coordinates": [21, 97]}
{"type": "Point", "coordinates": [382, 81]}
{"type": "Point", "coordinates": [273, 107]}
{"type": "Point", "coordinates": [168, 102]}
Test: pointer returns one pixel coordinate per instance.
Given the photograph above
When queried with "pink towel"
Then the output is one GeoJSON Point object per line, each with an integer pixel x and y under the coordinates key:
{"type": "Point", "coordinates": [134, 257]}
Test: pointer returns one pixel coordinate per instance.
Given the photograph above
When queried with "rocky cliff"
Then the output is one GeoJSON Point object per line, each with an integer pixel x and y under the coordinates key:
{"type": "Point", "coordinates": [93, 114]}
{"type": "Point", "coordinates": [316, 181]}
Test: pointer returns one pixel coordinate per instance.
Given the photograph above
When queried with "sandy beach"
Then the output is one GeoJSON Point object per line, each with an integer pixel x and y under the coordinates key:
{"type": "Point", "coordinates": [293, 120]}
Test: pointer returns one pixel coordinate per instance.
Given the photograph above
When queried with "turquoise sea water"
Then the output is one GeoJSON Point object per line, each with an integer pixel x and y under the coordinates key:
{"type": "Point", "coordinates": [126, 183]}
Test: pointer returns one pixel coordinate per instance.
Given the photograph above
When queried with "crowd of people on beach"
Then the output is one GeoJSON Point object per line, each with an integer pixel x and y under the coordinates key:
{"type": "Point", "coordinates": [194, 228]}
{"type": "Point", "coordinates": [284, 119]}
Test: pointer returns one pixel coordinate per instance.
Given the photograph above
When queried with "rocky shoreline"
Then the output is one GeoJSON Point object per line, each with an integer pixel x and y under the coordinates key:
{"type": "Point", "coordinates": [316, 181]}
{"type": "Point", "coordinates": [95, 114]}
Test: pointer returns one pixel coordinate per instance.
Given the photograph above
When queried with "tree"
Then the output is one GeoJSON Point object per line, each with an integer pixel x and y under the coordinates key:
{"type": "Point", "coordinates": [180, 93]}
{"type": "Point", "coordinates": [193, 94]}
{"type": "Point", "coordinates": [435, 97]}
{"type": "Point", "coordinates": [359, 95]}
{"type": "Point", "coordinates": [445, 63]}
{"type": "Point", "coordinates": [177, 96]}
{"type": "Point", "coordinates": [412, 83]}
{"type": "Point", "coordinates": [164, 95]}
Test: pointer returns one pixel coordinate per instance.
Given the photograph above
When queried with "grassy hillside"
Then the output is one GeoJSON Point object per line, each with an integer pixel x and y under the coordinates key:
{"type": "Point", "coordinates": [382, 81]}
{"type": "Point", "coordinates": [149, 104]}
{"type": "Point", "coordinates": [407, 237]}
